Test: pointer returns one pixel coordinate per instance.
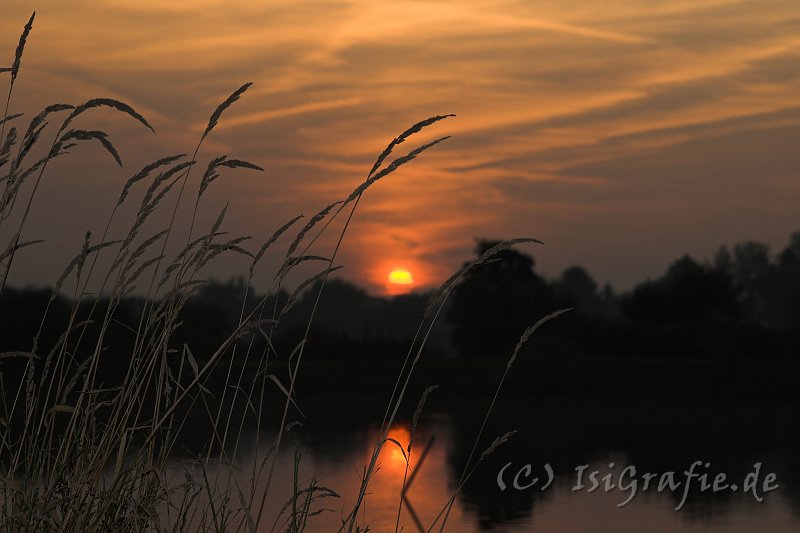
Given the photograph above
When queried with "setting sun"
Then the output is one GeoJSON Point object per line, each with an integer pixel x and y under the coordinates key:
{"type": "Point", "coordinates": [400, 276]}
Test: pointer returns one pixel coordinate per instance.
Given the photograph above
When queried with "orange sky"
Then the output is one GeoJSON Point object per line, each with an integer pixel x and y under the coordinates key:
{"type": "Point", "coordinates": [622, 133]}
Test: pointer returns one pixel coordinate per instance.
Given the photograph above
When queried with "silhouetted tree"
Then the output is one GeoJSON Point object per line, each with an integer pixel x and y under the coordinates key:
{"type": "Point", "coordinates": [343, 308]}
{"type": "Point", "coordinates": [495, 302]}
{"type": "Point", "coordinates": [751, 271]}
{"type": "Point", "coordinates": [578, 288]}
{"type": "Point", "coordinates": [229, 297]}
{"type": "Point", "coordinates": [594, 325]}
{"type": "Point", "coordinates": [688, 291]}
{"type": "Point", "coordinates": [693, 309]}
{"type": "Point", "coordinates": [786, 292]}
{"type": "Point", "coordinates": [351, 324]}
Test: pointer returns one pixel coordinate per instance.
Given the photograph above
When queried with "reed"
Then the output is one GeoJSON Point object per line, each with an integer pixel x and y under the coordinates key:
{"type": "Point", "coordinates": [79, 454]}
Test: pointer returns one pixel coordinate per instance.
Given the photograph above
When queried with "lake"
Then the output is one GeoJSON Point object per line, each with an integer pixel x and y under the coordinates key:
{"type": "Point", "coordinates": [751, 442]}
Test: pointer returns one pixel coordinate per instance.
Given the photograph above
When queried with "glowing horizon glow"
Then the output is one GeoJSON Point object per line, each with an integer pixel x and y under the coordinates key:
{"type": "Point", "coordinates": [401, 276]}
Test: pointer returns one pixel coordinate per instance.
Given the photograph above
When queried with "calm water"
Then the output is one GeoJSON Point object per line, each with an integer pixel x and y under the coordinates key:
{"type": "Point", "coordinates": [654, 436]}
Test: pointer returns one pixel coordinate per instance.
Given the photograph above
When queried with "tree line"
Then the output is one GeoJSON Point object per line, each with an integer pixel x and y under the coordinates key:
{"type": "Point", "coordinates": [744, 302]}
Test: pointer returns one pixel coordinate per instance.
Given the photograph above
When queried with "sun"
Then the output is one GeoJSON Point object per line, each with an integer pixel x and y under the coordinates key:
{"type": "Point", "coordinates": [401, 276]}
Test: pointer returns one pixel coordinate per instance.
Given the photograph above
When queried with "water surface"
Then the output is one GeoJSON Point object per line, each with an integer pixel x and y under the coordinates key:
{"type": "Point", "coordinates": [654, 436]}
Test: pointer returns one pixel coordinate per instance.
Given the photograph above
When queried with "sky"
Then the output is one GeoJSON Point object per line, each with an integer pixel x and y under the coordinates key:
{"type": "Point", "coordinates": [623, 134]}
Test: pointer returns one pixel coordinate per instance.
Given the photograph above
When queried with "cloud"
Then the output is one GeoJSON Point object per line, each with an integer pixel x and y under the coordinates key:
{"type": "Point", "coordinates": [264, 116]}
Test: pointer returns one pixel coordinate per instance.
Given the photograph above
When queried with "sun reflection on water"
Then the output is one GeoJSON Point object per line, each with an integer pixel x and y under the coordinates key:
{"type": "Point", "coordinates": [394, 449]}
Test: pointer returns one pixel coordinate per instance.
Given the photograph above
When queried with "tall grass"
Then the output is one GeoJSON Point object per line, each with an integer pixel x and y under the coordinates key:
{"type": "Point", "coordinates": [79, 454]}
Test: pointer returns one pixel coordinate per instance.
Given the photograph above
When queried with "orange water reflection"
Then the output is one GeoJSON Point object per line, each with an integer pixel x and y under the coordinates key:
{"type": "Point", "coordinates": [393, 454]}
{"type": "Point", "coordinates": [563, 510]}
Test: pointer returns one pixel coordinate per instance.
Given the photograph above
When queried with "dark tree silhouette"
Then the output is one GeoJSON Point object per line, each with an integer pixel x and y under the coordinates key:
{"type": "Point", "coordinates": [746, 302]}
{"type": "Point", "coordinates": [576, 288]}
{"type": "Point", "coordinates": [495, 302]}
{"type": "Point", "coordinates": [684, 310]}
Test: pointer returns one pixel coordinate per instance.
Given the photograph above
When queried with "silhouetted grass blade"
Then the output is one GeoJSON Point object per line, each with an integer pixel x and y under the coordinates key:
{"type": "Point", "coordinates": [88, 135]}
{"type": "Point", "coordinates": [212, 122]}
{"type": "Point", "coordinates": [21, 47]}
{"type": "Point", "coordinates": [108, 102]}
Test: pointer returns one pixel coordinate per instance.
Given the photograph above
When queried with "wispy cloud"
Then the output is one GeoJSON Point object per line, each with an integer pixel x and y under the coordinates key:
{"type": "Point", "coordinates": [265, 116]}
